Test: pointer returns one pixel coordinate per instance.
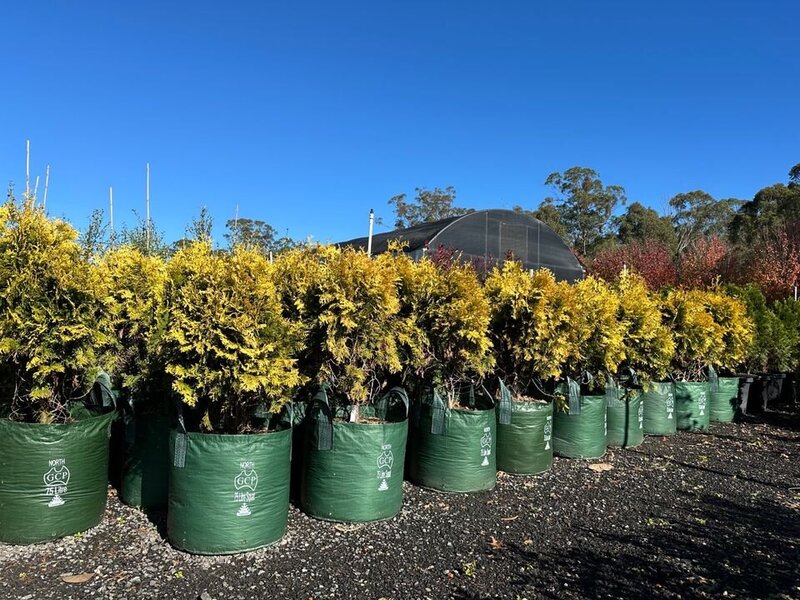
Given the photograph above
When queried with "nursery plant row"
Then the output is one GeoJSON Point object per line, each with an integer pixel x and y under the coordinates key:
{"type": "Point", "coordinates": [232, 382]}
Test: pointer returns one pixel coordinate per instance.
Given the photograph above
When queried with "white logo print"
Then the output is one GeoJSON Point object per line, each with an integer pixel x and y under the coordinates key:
{"type": "Point", "coordinates": [548, 432]}
{"type": "Point", "coordinates": [245, 483]}
{"type": "Point", "coordinates": [701, 403]}
{"type": "Point", "coordinates": [385, 462]}
{"type": "Point", "coordinates": [486, 446]}
{"type": "Point", "coordinates": [670, 405]}
{"type": "Point", "coordinates": [55, 481]}
{"type": "Point", "coordinates": [641, 415]}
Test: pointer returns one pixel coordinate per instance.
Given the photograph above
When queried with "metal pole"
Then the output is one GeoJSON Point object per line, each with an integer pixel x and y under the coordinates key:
{"type": "Point", "coordinates": [36, 187]}
{"type": "Point", "coordinates": [369, 238]}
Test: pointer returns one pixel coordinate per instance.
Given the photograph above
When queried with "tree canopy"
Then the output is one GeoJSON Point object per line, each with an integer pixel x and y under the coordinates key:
{"type": "Point", "coordinates": [427, 206]}
{"type": "Point", "coordinates": [585, 206]}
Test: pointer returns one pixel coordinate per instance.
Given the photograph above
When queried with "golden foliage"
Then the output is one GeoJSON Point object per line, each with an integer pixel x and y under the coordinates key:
{"type": "Point", "coordinates": [530, 326]}
{"type": "Point", "coordinates": [648, 343]}
{"type": "Point", "coordinates": [51, 313]}
{"type": "Point", "coordinates": [226, 344]}
{"type": "Point", "coordinates": [450, 310]}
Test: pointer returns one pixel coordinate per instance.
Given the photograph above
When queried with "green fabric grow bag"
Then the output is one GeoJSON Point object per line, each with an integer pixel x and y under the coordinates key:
{"type": "Point", "coordinates": [626, 421]}
{"type": "Point", "coordinates": [228, 493]}
{"type": "Point", "coordinates": [659, 408]}
{"type": "Point", "coordinates": [691, 405]}
{"type": "Point", "coordinates": [723, 402]}
{"type": "Point", "coordinates": [353, 472]}
{"type": "Point", "coordinates": [53, 478]}
{"type": "Point", "coordinates": [524, 435]}
{"type": "Point", "coordinates": [581, 435]}
{"type": "Point", "coordinates": [146, 458]}
{"type": "Point", "coordinates": [453, 450]}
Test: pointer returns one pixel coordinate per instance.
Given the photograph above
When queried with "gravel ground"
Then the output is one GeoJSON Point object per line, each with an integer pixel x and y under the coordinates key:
{"type": "Point", "coordinates": [689, 516]}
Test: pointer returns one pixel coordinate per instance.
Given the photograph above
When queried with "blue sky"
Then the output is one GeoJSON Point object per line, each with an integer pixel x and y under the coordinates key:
{"type": "Point", "coordinates": [307, 115]}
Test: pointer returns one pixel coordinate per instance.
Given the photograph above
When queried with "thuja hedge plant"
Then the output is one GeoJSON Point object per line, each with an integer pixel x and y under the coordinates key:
{"type": "Point", "coordinates": [712, 330]}
{"type": "Point", "coordinates": [229, 352]}
{"type": "Point", "coordinates": [54, 442]}
{"type": "Point", "coordinates": [452, 447]}
{"type": "Point", "coordinates": [730, 314]}
{"type": "Point", "coordinates": [348, 308]}
{"type": "Point", "coordinates": [648, 350]}
{"type": "Point", "coordinates": [598, 336]}
{"type": "Point", "coordinates": [137, 318]}
{"type": "Point", "coordinates": [530, 329]}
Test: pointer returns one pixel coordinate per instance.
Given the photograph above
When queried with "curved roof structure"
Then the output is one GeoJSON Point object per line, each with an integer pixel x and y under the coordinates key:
{"type": "Point", "coordinates": [487, 237]}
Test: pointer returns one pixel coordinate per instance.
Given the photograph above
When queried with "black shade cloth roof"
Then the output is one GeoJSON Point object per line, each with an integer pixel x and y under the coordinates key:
{"type": "Point", "coordinates": [487, 236]}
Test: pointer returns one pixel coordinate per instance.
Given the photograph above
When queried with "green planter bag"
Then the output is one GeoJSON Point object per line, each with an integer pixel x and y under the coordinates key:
{"type": "Point", "coordinates": [524, 435]}
{"type": "Point", "coordinates": [228, 493]}
{"type": "Point", "coordinates": [658, 401]}
{"type": "Point", "coordinates": [626, 420]}
{"type": "Point", "coordinates": [53, 478]}
{"type": "Point", "coordinates": [145, 466]}
{"type": "Point", "coordinates": [724, 400]}
{"type": "Point", "coordinates": [453, 450]}
{"type": "Point", "coordinates": [580, 431]}
{"type": "Point", "coordinates": [353, 472]}
{"type": "Point", "coordinates": [691, 405]}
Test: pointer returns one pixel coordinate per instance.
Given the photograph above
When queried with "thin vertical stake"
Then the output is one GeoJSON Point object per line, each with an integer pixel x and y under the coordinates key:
{"type": "Point", "coordinates": [369, 238]}
{"type": "Point", "coordinates": [27, 169]}
{"type": "Point", "coordinates": [36, 186]}
{"type": "Point", "coordinates": [147, 209]}
{"type": "Point", "coordinates": [46, 183]}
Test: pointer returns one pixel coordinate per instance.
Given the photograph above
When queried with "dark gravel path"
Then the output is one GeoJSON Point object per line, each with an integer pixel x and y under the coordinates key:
{"type": "Point", "coordinates": [691, 516]}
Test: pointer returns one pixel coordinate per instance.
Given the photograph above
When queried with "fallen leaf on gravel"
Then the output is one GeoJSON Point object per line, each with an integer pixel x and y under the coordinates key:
{"type": "Point", "coordinates": [82, 578]}
{"type": "Point", "coordinates": [514, 518]}
{"type": "Point", "coordinates": [600, 467]}
{"type": "Point", "coordinates": [348, 528]}
{"type": "Point", "coordinates": [527, 542]}
{"type": "Point", "coordinates": [496, 544]}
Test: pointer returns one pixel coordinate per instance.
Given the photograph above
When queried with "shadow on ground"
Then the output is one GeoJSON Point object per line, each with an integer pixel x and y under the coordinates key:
{"type": "Point", "coordinates": [704, 556]}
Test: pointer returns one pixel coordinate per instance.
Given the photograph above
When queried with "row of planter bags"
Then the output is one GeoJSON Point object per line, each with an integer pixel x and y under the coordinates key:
{"type": "Point", "coordinates": [230, 493]}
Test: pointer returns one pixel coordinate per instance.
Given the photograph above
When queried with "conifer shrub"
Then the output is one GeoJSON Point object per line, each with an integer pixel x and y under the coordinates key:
{"type": "Point", "coordinates": [227, 346]}
{"type": "Point", "coordinates": [348, 308]}
{"type": "Point", "coordinates": [648, 343]}
{"type": "Point", "coordinates": [448, 345]}
{"type": "Point", "coordinates": [697, 335]}
{"type": "Point", "coordinates": [530, 327]}
{"type": "Point", "coordinates": [137, 317]}
{"type": "Point", "coordinates": [52, 328]}
{"type": "Point", "coordinates": [598, 335]}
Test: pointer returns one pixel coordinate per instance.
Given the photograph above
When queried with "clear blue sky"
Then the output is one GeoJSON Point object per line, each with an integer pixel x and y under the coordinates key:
{"type": "Point", "coordinates": [309, 114]}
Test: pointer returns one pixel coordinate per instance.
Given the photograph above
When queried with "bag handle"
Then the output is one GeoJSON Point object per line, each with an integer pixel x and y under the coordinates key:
{"type": "Point", "coordinates": [504, 406]}
{"type": "Point", "coordinates": [439, 410]}
{"type": "Point", "coordinates": [397, 392]}
{"type": "Point", "coordinates": [713, 379]}
{"type": "Point", "coordinates": [324, 431]}
{"type": "Point", "coordinates": [181, 437]}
